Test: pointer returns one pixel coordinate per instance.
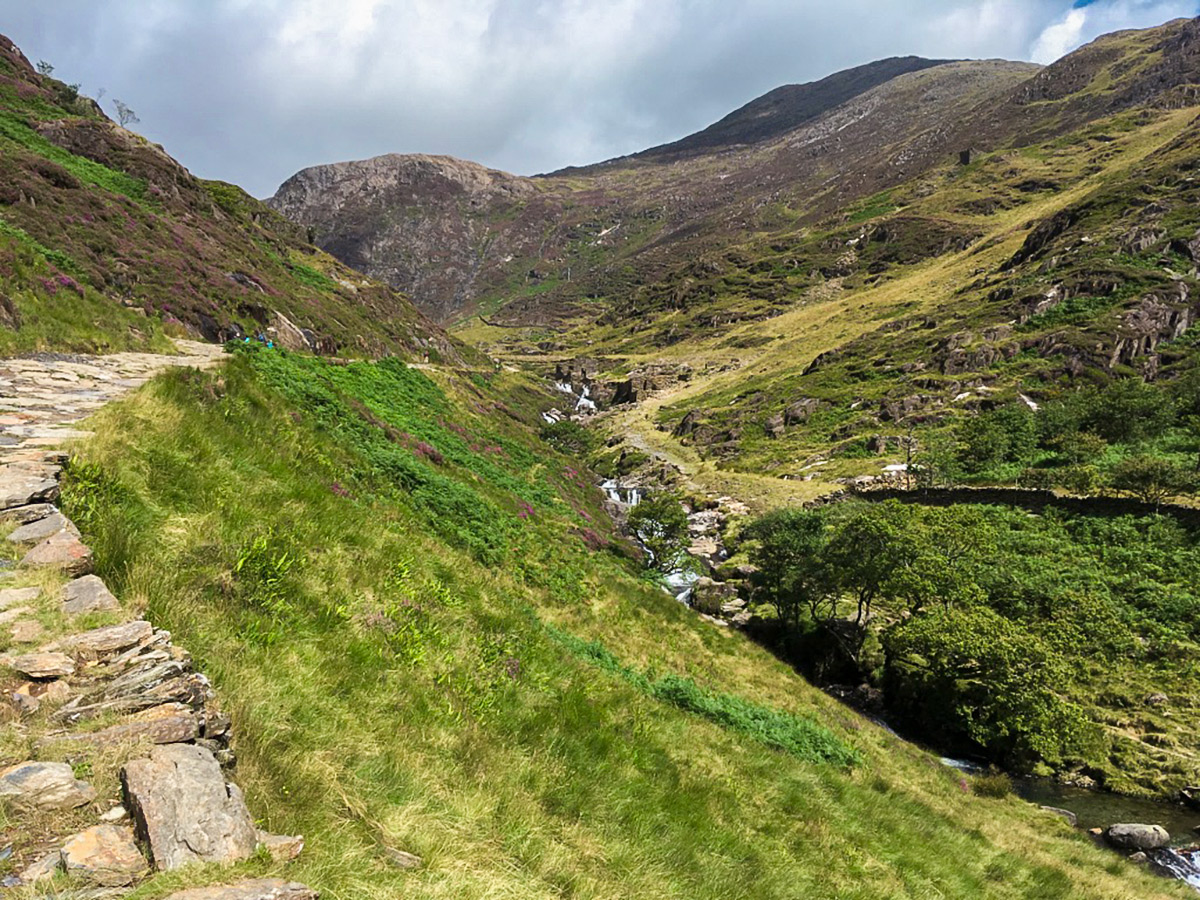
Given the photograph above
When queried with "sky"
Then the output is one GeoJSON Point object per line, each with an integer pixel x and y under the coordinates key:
{"type": "Point", "coordinates": [251, 91]}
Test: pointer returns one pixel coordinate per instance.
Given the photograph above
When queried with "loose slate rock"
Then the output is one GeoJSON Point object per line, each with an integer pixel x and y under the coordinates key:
{"type": "Point", "coordinates": [87, 594]}
{"type": "Point", "coordinates": [254, 889]}
{"type": "Point", "coordinates": [42, 868]}
{"type": "Point", "coordinates": [45, 785]}
{"type": "Point", "coordinates": [21, 487]}
{"type": "Point", "coordinates": [64, 551]}
{"type": "Point", "coordinates": [16, 596]}
{"type": "Point", "coordinates": [281, 847]}
{"type": "Point", "coordinates": [184, 810]}
{"type": "Point", "coordinates": [110, 639]}
{"type": "Point", "coordinates": [105, 855]}
{"type": "Point", "coordinates": [170, 723]}
{"type": "Point", "coordinates": [40, 665]}
{"type": "Point", "coordinates": [23, 515]}
{"type": "Point", "coordinates": [43, 528]}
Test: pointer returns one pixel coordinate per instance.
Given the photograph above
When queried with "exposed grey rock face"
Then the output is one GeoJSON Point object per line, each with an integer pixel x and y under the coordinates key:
{"type": "Point", "coordinates": [87, 594]}
{"type": "Point", "coordinates": [1137, 837]}
{"type": "Point", "coordinates": [184, 810]}
{"type": "Point", "coordinates": [45, 785]}
{"type": "Point", "coordinates": [440, 257]}
{"type": "Point", "coordinates": [105, 855]}
{"type": "Point", "coordinates": [254, 889]}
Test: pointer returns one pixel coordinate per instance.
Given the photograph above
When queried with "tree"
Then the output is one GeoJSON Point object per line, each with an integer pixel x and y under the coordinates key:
{"type": "Point", "coordinates": [1127, 411]}
{"type": "Point", "coordinates": [793, 576]}
{"type": "Point", "coordinates": [661, 526]}
{"type": "Point", "coordinates": [125, 115]}
{"type": "Point", "coordinates": [1151, 479]}
{"type": "Point", "coordinates": [972, 673]}
{"type": "Point", "coordinates": [1008, 434]}
{"type": "Point", "coordinates": [45, 68]}
{"type": "Point", "coordinates": [866, 550]}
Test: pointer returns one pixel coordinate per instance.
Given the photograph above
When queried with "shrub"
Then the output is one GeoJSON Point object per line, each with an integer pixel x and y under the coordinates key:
{"type": "Point", "coordinates": [996, 785]}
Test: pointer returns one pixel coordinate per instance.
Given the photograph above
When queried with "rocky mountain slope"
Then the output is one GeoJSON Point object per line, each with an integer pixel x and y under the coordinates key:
{"type": "Point", "coordinates": [551, 247]}
{"type": "Point", "coordinates": [105, 241]}
{"type": "Point", "coordinates": [784, 109]}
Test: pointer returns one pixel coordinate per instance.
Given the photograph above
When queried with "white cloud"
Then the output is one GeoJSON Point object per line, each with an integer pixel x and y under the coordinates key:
{"type": "Point", "coordinates": [1060, 38]}
{"type": "Point", "coordinates": [251, 90]}
{"type": "Point", "coordinates": [1088, 22]}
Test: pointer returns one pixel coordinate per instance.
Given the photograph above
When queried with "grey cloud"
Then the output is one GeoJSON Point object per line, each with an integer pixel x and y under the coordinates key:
{"type": "Point", "coordinates": [251, 90]}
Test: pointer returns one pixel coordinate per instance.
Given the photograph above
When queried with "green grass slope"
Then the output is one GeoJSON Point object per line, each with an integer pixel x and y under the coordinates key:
{"type": "Point", "coordinates": [430, 642]}
{"type": "Point", "coordinates": [106, 242]}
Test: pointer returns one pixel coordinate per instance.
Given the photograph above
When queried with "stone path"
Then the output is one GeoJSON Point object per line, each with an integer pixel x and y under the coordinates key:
{"type": "Point", "coordinates": [123, 761]}
{"type": "Point", "coordinates": [43, 395]}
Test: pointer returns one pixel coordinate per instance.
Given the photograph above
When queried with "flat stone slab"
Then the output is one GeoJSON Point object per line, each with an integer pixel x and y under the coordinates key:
{"type": "Point", "coordinates": [253, 889]}
{"type": "Point", "coordinates": [26, 631]}
{"type": "Point", "coordinates": [184, 810]}
{"type": "Point", "coordinates": [14, 596]}
{"type": "Point", "coordinates": [64, 551]}
{"type": "Point", "coordinates": [45, 785]}
{"type": "Point", "coordinates": [104, 854]}
{"type": "Point", "coordinates": [88, 594]}
{"type": "Point", "coordinates": [40, 529]}
{"type": "Point", "coordinates": [40, 665]}
{"type": "Point", "coordinates": [110, 639]}
{"type": "Point", "coordinates": [23, 515]}
{"type": "Point", "coordinates": [170, 723]}
{"type": "Point", "coordinates": [21, 488]}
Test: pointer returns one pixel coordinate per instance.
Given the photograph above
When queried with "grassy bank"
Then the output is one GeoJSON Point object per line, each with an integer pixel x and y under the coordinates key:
{"type": "Point", "coordinates": [394, 684]}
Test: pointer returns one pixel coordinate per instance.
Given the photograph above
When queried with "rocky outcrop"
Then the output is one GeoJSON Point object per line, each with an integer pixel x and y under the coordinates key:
{"type": "Point", "coordinates": [184, 809]}
{"type": "Point", "coordinates": [473, 222]}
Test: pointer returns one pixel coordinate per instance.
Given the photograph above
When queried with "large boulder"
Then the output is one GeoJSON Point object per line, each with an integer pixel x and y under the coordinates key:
{"type": "Point", "coordinates": [184, 810]}
{"type": "Point", "coordinates": [104, 854]}
{"type": "Point", "coordinates": [253, 889]}
{"type": "Point", "coordinates": [45, 785]}
{"type": "Point", "coordinates": [1134, 837]}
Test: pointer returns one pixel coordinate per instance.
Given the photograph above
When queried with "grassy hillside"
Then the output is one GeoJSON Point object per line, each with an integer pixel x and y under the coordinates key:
{"type": "Point", "coordinates": [413, 610]}
{"type": "Point", "coordinates": [106, 242]}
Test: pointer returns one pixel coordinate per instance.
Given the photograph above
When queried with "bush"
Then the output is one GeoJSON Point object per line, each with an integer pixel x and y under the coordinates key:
{"type": "Point", "coordinates": [996, 785]}
{"type": "Point", "coordinates": [568, 437]}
